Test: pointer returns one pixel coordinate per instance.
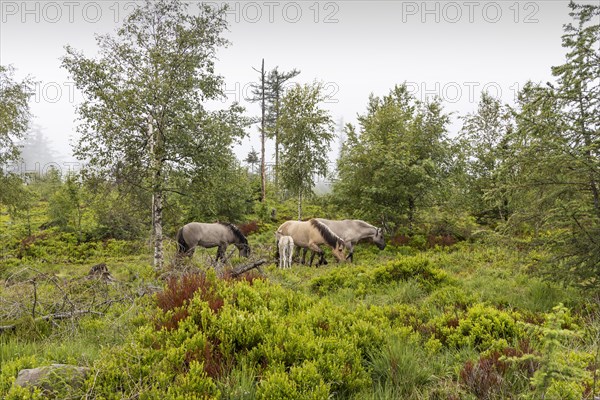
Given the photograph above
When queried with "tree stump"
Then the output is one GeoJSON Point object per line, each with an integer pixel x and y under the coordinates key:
{"type": "Point", "coordinates": [100, 271]}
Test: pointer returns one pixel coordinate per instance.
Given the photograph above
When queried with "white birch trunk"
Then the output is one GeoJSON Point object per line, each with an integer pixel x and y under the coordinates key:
{"type": "Point", "coordinates": [157, 198]}
{"type": "Point", "coordinates": [300, 206]}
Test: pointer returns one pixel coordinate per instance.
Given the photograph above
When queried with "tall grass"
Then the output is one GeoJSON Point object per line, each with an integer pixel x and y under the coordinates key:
{"type": "Point", "coordinates": [400, 369]}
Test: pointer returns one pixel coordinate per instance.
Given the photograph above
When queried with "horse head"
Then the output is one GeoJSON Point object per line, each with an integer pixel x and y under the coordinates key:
{"type": "Point", "coordinates": [244, 249]}
{"type": "Point", "coordinates": [338, 250]}
{"type": "Point", "coordinates": [378, 238]}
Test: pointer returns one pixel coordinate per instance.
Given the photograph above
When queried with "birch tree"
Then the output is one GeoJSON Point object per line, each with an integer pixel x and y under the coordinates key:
{"type": "Point", "coordinates": [143, 114]}
{"type": "Point", "coordinates": [306, 134]}
{"type": "Point", "coordinates": [14, 122]}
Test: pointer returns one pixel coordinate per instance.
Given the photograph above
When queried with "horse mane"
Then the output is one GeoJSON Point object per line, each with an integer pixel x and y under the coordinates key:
{"type": "Point", "coordinates": [236, 232]}
{"type": "Point", "coordinates": [331, 238]}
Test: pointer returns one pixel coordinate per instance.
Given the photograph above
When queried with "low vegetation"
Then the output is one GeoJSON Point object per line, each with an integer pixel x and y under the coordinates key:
{"type": "Point", "coordinates": [487, 289]}
{"type": "Point", "coordinates": [414, 321]}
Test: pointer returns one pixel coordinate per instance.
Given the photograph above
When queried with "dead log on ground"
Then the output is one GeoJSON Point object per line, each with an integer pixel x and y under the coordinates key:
{"type": "Point", "coordinates": [234, 273]}
{"type": "Point", "coordinates": [65, 315]}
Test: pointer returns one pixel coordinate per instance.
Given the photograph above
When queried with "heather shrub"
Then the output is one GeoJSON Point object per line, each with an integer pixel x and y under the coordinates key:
{"type": "Point", "coordinates": [417, 268]}
{"type": "Point", "coordinates": [204, 330]}
{"type": "Point", "coordinates": [480, 326]}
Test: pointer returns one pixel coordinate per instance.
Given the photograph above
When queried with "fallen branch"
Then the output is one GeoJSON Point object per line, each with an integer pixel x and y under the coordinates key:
{"type": "Point", "coordinates": [68, 315]}
{"type": "Point", "coordinates": [7, 328]}
{"type": "Point", "coordinates": [234, 273]}
{"type": "Point", "coordinates": [53, 316]}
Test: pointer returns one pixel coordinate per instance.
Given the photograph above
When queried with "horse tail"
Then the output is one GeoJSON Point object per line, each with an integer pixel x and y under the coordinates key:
{"type": "Point", "coordinates": [182, 246]}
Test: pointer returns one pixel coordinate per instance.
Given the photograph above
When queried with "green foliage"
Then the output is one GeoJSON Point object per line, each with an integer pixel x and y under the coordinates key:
{"type": "Point", "coordinates": [178, 74]}
{"type": "Point", "coordinates": [14, 113]}
{"type": "Point", "coordinates": [562, 373]}
{"type": "Point", "coordinates": [401, 367]}
{"type": "Point", "coordinates": [302, 348]}
{"type": "Point", "coordinates": [306, 131]}
{"type": "Point", "coordinates": [275, 83]}
{"type": "Point", "coordinates": [392, 167]}
{"type": "Point", "coordinates": [10, 369]}
{"type": "Point", "coordinates": [14, 121]}
{"type": "Point", "coordinates": [450, 298]}
{"type": "Point", "coordinates": [397, 325]}
{"type": "Point", "coordinates": [111, 211]}
{"type": "Point", "coordinates": [418, 269]}
{"type": "Point", "coordinates": [16, 196]}
{"type": "Point", "coordinates": [239, 384]}
{"type": "Point", "coordinates": [66, 206]}
{"type": "Point", "coordinates": [48, 184]}
{"type": "Point", "coordinates": [226, 195]}
{"type": "Point", "coordinates": [480, 326]}
{"type": "Point", "coordinates": [439, 222]}
{"type": "Point", "coordinates": [553, 173]}
{"type": "Point", "coordinates": [51, 246]}
{"type": "Point", "coordinates": [484, 137]}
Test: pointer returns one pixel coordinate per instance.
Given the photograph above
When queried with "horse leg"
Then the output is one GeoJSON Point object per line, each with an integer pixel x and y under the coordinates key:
{"type": "Point", "coordinates": [282, 258]}
{"type": "Point", "coordinates": [278, 262]}
{"type": "Point", "coordinates": [289, 259]}
{"type": "Point", "coordinates": [350, 255]}
{"type": "Point", "coordinates": [315, 250]}
{"type": "Point", "coordinates": [220, 253]}
{"type": "Point", "coordinates": [304, 251]}
{"type": "Point", "coordinates": [189, 252]}
{"type": "Point", "coordinates": [322, 260]}
{"type": "Point", "coordinates": [296, 254]}
{"type": "Point", "coordinates": [312, 257]}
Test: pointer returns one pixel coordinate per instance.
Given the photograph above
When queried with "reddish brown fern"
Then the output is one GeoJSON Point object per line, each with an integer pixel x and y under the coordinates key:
{"type": "Point", "coordinates": [249, 228]}
{"type": "Point", "coordinates": [178, 293]}
{"type": "Point", "coordinates": [441, 240]}
{"type": "Point", "coordinates": [400, 240]}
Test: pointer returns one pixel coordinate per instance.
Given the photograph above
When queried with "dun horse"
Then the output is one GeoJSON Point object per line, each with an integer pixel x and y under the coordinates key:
{"type": "Point", "coordinates": [310, 235]}
{"type": "Point", "coordinates": [353, 231]}
{"type": "Point", "coordinates": [286, 248]}
{"type": "Point", "coordinates": [219, 234]}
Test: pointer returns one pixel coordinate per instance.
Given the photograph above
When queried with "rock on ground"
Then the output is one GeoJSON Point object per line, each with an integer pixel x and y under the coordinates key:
{"type": "Point", "coordinates": [53, 377]}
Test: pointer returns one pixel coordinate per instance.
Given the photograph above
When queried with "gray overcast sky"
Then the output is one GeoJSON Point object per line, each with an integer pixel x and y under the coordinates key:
{"type": "Point", "coordinates": [445, 48]}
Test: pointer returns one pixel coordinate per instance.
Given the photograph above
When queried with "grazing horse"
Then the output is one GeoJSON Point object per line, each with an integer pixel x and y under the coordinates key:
{"type": "Point", "coordinates": [353, 231]}
{"type": "Point", "coordinates": [218, 234]}
{"type": "Point", "coordinates": [310, 235]}
{"type": "Point", "coordinates": [286, 248]}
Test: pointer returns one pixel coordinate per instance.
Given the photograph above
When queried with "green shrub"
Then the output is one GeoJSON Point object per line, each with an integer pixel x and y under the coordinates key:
{"type": "Point", "coordinates": [417, 268]}
{"type": "Point", "coordinates": [10, 369]}
{"type": "Point", "coordinates": [450, 298]}
{"type": "Point", "coordinates": [482, 327]}
{"type": "Point", "coordinates": [562, 372]}
{"type": "Point", "coordinates": [299, 348]}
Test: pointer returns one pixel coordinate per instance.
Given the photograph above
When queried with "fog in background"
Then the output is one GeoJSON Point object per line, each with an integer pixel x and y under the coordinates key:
{"type": "Point", "coordinates": [355, 48]}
